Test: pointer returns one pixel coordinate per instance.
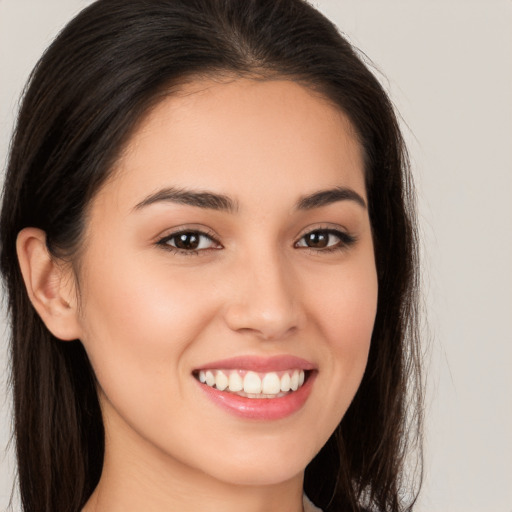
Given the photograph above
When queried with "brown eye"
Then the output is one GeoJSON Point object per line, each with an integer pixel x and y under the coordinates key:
{"type": "Point", "coordinates": [317, 239]}
{"type": "Point", "coordinates": [325, 239]}
{"type": "Point", "coordinates": [189, 241]}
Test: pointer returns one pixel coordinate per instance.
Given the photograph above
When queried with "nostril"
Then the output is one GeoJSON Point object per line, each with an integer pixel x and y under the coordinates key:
{"type": "Point", "coordinates": [268, 326]}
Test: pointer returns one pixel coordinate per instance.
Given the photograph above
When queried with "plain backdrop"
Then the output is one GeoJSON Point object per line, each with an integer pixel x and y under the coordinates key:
{"type": "Point", "coordinates": [448, 67]}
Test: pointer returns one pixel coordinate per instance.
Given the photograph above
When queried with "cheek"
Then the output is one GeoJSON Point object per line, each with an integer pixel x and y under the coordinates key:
{"type": "Point", "coordinates": [138, 321]}
{"type": "Point", "coordinates": [347, 308]}
{"type": "Point", "coordinates": [345, 314]}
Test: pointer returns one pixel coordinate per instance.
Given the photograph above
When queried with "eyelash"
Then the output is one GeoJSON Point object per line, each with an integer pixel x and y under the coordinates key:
{"type": "Point", "coordinates": [345, 241]}
{"type": "Point", "coordinates": [164, 242]}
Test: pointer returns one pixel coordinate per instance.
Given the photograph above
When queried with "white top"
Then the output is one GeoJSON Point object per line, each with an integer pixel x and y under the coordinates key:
{"type": "Point", "coordinates": [308, 506]}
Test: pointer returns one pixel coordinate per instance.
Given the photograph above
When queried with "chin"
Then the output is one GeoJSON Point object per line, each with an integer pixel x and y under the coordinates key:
{"type": "Point", "coordinates": [261, 475]}
{"type": "Point", "coordinates": [266, 467]}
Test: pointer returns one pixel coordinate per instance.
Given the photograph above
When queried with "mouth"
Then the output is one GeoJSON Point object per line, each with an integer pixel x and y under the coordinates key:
{"type": "Point", "coordinates": [256, 388]}
{"type": "Point", "coordinates": [254, 385]}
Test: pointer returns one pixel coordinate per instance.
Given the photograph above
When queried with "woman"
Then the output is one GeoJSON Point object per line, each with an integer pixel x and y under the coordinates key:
{"type": "Point", "coordinates": [209, 251]}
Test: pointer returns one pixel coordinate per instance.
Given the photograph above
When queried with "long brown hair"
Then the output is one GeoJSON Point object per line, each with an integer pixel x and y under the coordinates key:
{"type": "Point", "coordinates": [83, 100]}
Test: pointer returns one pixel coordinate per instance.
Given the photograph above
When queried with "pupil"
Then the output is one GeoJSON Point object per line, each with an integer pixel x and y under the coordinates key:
{"type": "Point", "coordinates": [187, 241]}
{"type": "Point", "coordinates": [317, 239]}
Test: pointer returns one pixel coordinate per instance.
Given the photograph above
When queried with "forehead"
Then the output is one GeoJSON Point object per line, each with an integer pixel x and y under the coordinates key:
{"type": "Point", "coordinates": [245, 135]}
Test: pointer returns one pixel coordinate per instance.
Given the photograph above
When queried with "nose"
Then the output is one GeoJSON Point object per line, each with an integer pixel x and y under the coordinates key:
{"type": "Point", "coordinates": [264, 299]}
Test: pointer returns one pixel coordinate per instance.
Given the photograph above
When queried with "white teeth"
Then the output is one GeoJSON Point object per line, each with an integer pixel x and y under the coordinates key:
{"type": "Point", "coordinates": [252, 383]}
{"type": "Point", "coordinates": [221, 381]}
{"type": "Point", "coordinates": [210, 378]}
{"type": "Point", "coordinates": [285, 383]}
{"type": "Point", "coordinates": [235, 382]}
{"type": "Point", "coordinates": [271, 384]}
{"type": "Point", "coordinates": [294, 383]}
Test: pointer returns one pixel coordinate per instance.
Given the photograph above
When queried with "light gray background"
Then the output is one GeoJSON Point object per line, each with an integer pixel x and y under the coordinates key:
{"type": "Point", "coordinates": [448, 67]}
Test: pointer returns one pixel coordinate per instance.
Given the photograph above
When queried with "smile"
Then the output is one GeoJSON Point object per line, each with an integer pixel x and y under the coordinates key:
{"type": "Point", "coordinates": [252, 384]}
{"type": "Point", "coordinates": [258, 388]}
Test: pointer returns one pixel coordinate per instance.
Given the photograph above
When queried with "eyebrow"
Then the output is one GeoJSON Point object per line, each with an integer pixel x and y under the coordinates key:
{"type": "Point", "coordinates": [327, 197]}
{"type": "Point", "coordinates": [221, 202]}
{"type": "Point", "coordinates": [199, 199]}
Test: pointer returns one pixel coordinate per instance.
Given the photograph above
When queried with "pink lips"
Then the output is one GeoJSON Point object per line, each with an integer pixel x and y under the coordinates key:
{"type": "Point", "coordinates": [261, 364]}
{"type": "Point", "coordinates": [261, 408]}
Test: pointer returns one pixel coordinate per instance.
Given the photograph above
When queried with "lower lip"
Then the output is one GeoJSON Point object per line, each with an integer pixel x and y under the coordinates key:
{"type": "Point", "coordinates": [261, 408]}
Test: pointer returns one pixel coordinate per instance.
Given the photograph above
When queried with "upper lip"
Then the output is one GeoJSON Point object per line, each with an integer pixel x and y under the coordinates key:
{"type": "Point", "coordinates": [260, 364]}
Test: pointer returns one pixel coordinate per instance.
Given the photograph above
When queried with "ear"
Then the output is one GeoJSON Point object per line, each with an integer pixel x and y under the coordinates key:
{"type": "Point", "coordinates": [50, 284]}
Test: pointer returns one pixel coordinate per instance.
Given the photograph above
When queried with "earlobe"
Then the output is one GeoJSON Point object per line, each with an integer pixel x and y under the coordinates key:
{"type": "Point", "coordinates": [50, 284]}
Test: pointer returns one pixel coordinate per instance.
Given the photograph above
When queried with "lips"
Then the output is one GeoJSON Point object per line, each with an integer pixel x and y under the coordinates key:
{"type": "Point", "coordinates": [258, 388]}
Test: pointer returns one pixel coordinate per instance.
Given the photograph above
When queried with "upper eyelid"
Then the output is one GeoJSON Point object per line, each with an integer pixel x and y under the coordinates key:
{"type": "Point", "coordinates": [332, 231]}
{"type": "Point", "coordinates": [323, 227]}
{"type": "Point", "coordinates": [169, 233]}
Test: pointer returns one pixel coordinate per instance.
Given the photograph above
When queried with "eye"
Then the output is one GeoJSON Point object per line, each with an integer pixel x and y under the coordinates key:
{"type": "Point", "coordinates": [325, 239]}
{"type": "Point", "coordinates": [189, 241]}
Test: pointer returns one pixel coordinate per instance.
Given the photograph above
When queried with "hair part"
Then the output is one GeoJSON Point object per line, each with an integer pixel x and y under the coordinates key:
{"type": "Point", "coordinates": [86, 96]}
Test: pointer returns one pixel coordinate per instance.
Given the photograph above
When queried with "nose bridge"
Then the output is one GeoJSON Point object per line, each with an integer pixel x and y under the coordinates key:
{"type": "Point", "coordinates": [264, 301]}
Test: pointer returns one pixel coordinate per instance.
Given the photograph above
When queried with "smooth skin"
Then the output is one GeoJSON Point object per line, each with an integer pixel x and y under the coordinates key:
{"type": "Point", "coordinates": [267, 276]}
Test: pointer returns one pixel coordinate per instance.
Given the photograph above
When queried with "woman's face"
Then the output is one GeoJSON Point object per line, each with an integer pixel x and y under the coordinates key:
{"type": "Point", "coordinates": [231, 245]}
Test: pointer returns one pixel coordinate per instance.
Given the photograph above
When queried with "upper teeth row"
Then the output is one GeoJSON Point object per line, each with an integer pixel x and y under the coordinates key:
{"type": "Point", "coordinates": [251, 382]}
